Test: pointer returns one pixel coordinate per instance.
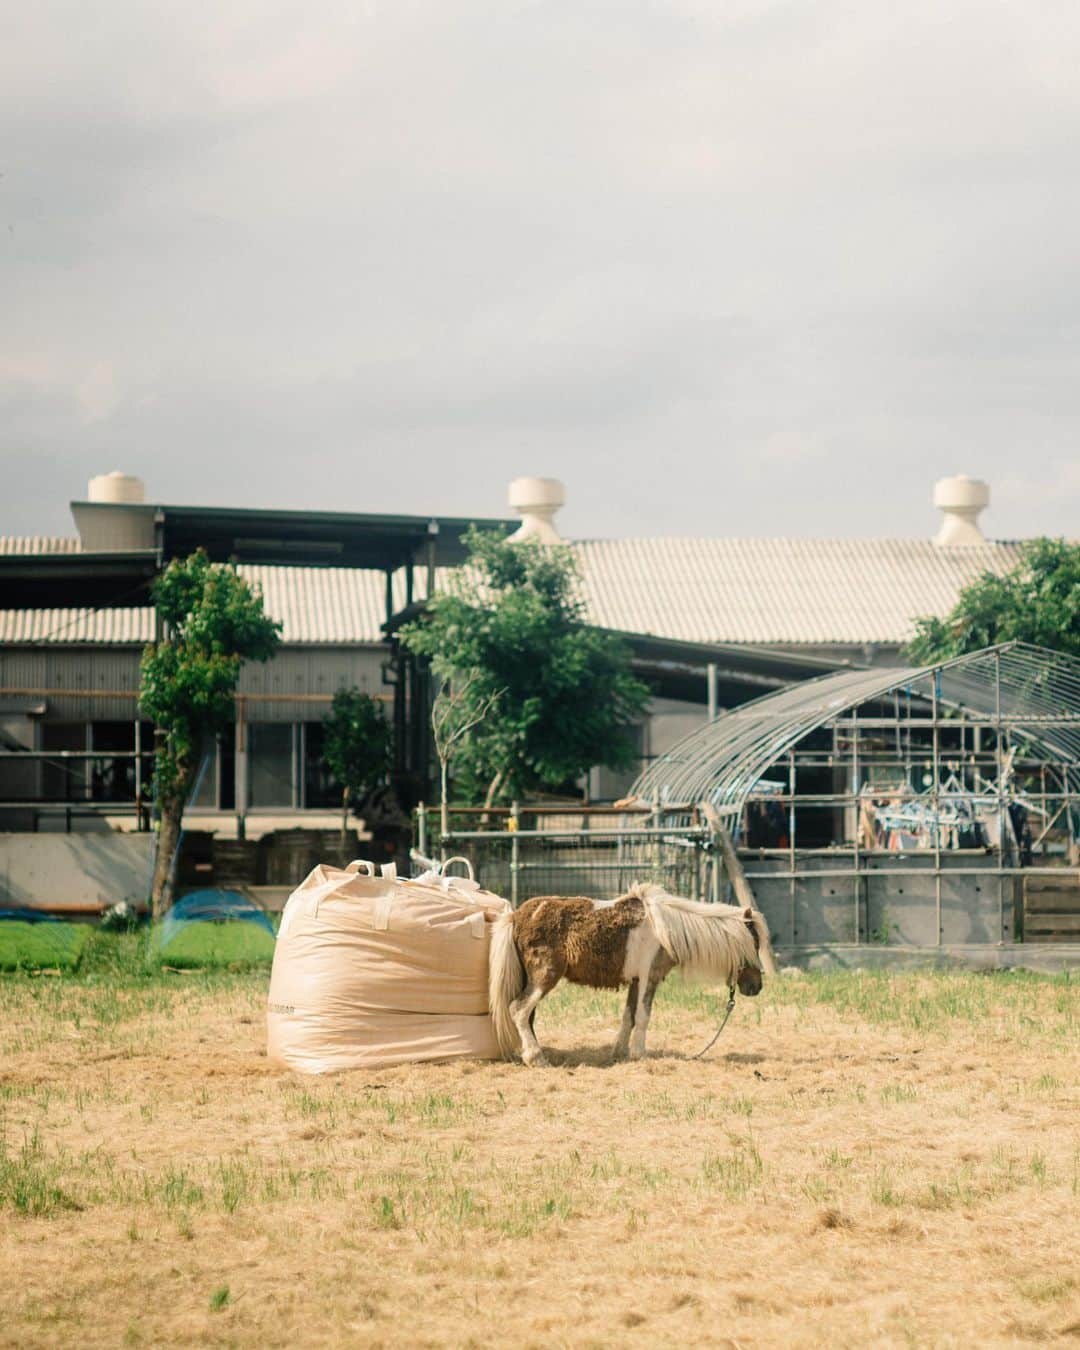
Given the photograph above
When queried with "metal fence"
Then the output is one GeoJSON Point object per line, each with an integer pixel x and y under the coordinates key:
{"type": "Point", "coordinates": [914, 900]}
{"type": "Point", "coordinates": [561, 851]}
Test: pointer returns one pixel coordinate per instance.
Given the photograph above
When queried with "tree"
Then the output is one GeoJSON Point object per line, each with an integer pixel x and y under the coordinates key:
{"type": "Point", "coordinates": [356, 748]}
{"type": "Point", "coordinates": [454, 713]}
{"type": "Point", "coordinates": [1037, 602]}
{"type": "Point", "coordinates": [213, 622]}
{"type": "Point", "coordinates": [509, 628]}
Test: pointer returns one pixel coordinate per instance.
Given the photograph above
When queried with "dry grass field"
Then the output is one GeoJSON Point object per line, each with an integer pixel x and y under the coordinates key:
{"type": "Point", "coordinates": [864, 1159]}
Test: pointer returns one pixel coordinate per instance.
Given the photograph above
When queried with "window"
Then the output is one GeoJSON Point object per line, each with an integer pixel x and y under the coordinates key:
{"type": "Point", "coordinates": [113, 779]}
{"type": "Point", "coordinates": [270, 764]}
{"type": "Point", "coordinates": [64, 780]}
{"type": "Point", "coordinates": [320, 787]}
{"type": "Point", "coordinates": [18, 780]}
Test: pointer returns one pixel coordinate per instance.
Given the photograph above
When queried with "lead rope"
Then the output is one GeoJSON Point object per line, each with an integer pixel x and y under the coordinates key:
{"type": "Point", "coordinates": [723, 1024]}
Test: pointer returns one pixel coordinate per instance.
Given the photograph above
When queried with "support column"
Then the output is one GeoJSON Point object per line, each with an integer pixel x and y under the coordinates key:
{"type": "Point", "coordinates": [936, 803]}
{"type": "Point", "coordinates": [240, 767]}
{"type": "Point", "coordinates": [138, 771]}
{"type": "Point", "coordinates": [398, 662]}
{"type": "Point", "coordinates": [432, 542]}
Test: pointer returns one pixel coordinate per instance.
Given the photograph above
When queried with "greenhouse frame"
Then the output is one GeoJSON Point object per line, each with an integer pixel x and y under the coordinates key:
{"type": "Point", "coordinates": [925, 806]}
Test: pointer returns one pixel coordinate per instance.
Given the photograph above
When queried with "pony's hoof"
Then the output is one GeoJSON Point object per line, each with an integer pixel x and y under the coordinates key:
{"type": "Point", "coordinates": [620, 1055]}
{"type": "Point", "coordinates": [536, 1061]}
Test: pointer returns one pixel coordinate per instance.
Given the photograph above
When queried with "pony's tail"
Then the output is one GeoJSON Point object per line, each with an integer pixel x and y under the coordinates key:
{"type": "Point", "coordinates": [506, 980]}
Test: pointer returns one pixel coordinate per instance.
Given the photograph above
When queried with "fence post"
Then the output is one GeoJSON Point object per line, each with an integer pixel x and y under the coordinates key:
{"type": "Point", "coordinates": [515, 853]}
{"type": "Point", "coordinates": [743, 894]}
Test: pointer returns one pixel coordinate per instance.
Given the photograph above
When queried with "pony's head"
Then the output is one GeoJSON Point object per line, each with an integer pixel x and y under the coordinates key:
{"type": "Point", "coordinates": [748, 980]}
{"type": "Point", "coordinates": [722, 941]}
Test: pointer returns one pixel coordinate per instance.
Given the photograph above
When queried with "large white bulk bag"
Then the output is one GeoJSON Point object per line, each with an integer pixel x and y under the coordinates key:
{"type": "Point", "coordinates": [377, 970]}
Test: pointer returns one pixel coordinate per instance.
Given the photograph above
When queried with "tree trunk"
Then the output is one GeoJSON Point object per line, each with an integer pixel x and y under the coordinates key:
{"type": "Point", "coordinates": [171, 818]}
{"type": "Point", "coordinates": [444, 806]}
{"type": "Point", "coordinates": [344, 824]}
{"type": "Point", "coordinates": [489, 801]}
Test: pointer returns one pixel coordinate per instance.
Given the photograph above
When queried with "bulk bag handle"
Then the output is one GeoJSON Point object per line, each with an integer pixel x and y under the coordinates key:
{"type": "Point", "coordinates": [387, 870]}
{"type": "Point", "coordinates": [460, 859]}
{"type": "Point", "coordinates": [436, 875]}
{"type": "Point", "coordinates": [384, 903]}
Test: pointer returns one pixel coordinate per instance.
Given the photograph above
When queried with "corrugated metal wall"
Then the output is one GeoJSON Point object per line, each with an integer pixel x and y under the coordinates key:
{"type": "Point", "coordinates": [85, 674]}
{"type": "Point", "coordinates": [308, 671]}
{"type": "Point", "coordinates": [79, 677]}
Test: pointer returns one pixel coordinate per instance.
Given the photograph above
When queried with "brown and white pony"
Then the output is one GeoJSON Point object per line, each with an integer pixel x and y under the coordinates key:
{"type": "Point", "coordinates": [636, 940]}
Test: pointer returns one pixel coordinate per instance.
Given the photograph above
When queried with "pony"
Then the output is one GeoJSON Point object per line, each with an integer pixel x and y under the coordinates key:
{"type": "Point", "coordinates": [636, 940]}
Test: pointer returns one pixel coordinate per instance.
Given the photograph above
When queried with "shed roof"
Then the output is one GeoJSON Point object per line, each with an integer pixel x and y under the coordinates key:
{"type": "Point", "coordinates": [751, 591]}
{"type": "Point", "coordinates": [324, 606]}
{"type": "Point", "coordinates": [814, 591]}
{"type": "Point", "coordinates": [1035, 692]}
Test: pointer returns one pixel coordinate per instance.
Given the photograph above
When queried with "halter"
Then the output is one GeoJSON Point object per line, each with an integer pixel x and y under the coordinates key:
{"type": "Point", "coordinates": [730, 1003]}
{"type": "Point", "coordinates": [723, 1024]}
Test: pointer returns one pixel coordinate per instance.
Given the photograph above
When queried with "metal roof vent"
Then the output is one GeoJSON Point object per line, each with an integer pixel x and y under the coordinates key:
{"type": "Point", "coordinates": [116, 488]}
{"type": "Point", "coordinates": [960, 499]}
{"type": "Point", "coordinates": [536, 500]}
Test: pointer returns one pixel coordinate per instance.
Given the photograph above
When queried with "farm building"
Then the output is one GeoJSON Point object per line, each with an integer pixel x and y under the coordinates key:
{"type": "Point", "coordinates": [712, 624]}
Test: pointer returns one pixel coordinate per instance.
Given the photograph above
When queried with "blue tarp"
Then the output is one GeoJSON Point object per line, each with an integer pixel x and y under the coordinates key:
{"type": "Point", "coordinates": [217, 906]}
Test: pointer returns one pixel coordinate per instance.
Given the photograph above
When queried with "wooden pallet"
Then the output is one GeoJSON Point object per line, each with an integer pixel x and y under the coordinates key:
{"type": "Point", "coordinates": [1052, 909]}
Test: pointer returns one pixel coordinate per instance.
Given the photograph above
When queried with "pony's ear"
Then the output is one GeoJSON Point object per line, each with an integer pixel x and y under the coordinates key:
{"type": "Point", "coordinates": [748, 913]}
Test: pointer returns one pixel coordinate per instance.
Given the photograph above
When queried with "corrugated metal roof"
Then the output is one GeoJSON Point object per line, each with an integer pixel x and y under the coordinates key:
{"type": "Point", "coordinates": [325, 605]}
{"type": "Point", "coordinates": [765, 591]}
{"type": "Point", "coordinates": [106, 626]}
{"type": "Point", "coordinates": [778, 590]}
{"type": "Point", "coordinates": [38, 543]}
{"type": "Point", "coordinates": [317, 605]}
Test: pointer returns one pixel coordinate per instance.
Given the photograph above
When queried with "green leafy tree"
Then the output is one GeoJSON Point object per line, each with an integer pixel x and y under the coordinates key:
{"type": "Point", "coordinates": [1037, 602]}
{"type": "Point", "coordinates": [356, 748]}
{"type": "Point", "coordinates": [213, 622]}
{"type": "Point", "coordinates": [543, 695]}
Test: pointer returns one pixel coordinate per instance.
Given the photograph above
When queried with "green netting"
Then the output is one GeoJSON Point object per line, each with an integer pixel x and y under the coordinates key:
{"type": "Point", "coordinates": [211, 929]}
{"type": "Point", "coordinates": [229, 943]}
{"type": "Point", "coordinates": [33, 945]}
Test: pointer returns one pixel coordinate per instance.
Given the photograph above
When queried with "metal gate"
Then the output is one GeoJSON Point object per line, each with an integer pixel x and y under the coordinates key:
{"type": "Point", "coordinates": [562, 851]}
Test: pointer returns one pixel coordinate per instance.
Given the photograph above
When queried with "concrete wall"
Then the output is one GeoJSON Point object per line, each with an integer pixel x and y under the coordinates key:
{"type": "Point", "coordinates": [886, 905]}
{"type": "Point", "coordinates": [666, 722]}
{"type": "Point", "coordinates": [83, 873]}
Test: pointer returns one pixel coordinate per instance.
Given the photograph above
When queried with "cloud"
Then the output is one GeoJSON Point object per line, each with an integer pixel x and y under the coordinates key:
{"type": "Point", "coordinates": [392, 255]}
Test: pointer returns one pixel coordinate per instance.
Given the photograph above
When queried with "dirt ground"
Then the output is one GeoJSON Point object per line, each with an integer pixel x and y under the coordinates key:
{"type": "Point", "coordinates": [863, 1160]}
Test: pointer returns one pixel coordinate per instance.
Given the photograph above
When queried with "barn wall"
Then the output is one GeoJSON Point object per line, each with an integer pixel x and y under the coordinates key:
{"type": "Point", "coordinates": [89, 672]}
{"type": "Point", "coordinates": [311, 670]}
{"type": "Point", "coordinates": [86, 671]}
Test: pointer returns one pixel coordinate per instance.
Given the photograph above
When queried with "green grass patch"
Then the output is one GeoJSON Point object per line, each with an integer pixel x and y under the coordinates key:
{"type": "Point", "coordinates": [206, 943]}
{"type": "Point", "coordinates": [29, 1183]}
{"type": "Point", "coordinates": [41, 946]}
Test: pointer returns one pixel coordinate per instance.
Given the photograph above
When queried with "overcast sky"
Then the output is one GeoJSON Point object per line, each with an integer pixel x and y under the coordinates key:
{"type": "Point", "coordinates": [723, 266]}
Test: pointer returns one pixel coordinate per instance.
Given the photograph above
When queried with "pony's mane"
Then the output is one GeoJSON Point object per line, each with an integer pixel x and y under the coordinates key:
{"type": "Point", "coordinates": [706, 939]}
